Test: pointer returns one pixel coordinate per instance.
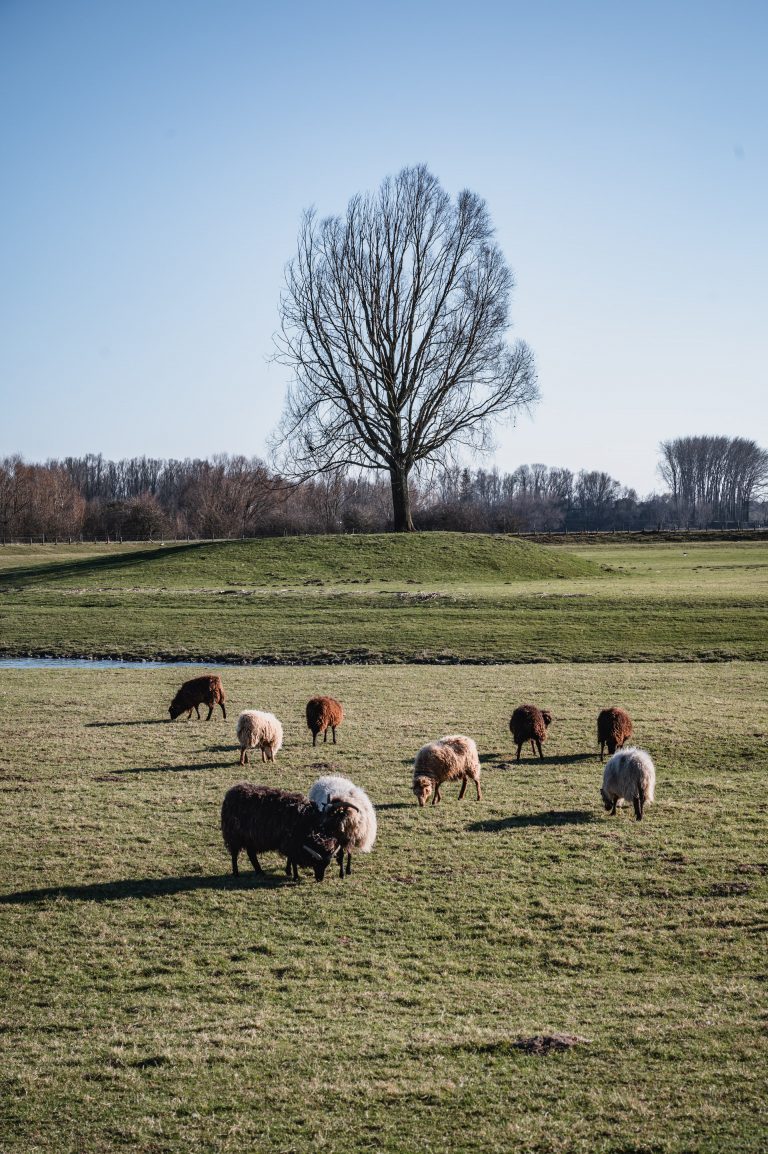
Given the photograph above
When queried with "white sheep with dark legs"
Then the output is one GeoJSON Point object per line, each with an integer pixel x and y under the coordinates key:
{"type": "Point", "coordinates": [356, 829]}
{"type": "Point", "coordinates": [258, 730]}
{"type": "Point", "coordinates": [629, 775]}
{"type": "Point", "coordinates": [260, 819]}
{"type": "Point", "coordinates": [451, 758]}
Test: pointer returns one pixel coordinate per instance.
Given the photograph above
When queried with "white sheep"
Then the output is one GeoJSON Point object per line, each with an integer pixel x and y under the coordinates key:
{"type": "Point", "coordinates": [357, 828]}
{"type": "Point", "coordinates": [452, 758]}
{"type": "Point", "coordinates": [258, 730]}
{"type": "Point", "coordinates": [629, 775]}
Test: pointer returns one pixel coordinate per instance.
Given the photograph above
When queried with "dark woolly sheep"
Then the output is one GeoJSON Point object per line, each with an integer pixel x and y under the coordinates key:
{"type": "Point", "coordinates": [199, 691]}
{"type": "Point", "coordinates": [614, 727]}
{"type": "Point", "coordinates": [259, 819]}
{"type": "Point", "coordinates": [528, 723]}
{"type": "Point", "coordinates": [324, 713]}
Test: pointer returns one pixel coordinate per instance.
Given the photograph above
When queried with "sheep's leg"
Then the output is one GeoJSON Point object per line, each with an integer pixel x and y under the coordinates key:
{"type": "Point", "coordinates": [325, 735]}
{"type": "Point", "coordinates": [613, 808]}
{"type": "Point", "coordinates": [189, 715]}
{"type": "Point", "coordinates": [519, 747]}
{"type": "Point", "coordinates": [314, 738]}
{"type": "Point", "coordinates": [333, 727]}
{"type": "Point", "coordinates": [197, 711]}
{"type": "Point", "coordinates": [538, 743]}
{"type": "Point", "coordinates": [533, 748]}
{"type": "Point", "coordinates": [340, 860]}
{"type": "Point", "coordinates": [295, 871]}
{"type": "Point", "coordinates": [287, 867]}
{"type": "Point", "coordinates": [437, 797]}
{"type": "Point", "coordinates": [243, 756]}
{"type": "Point", "coordinates": [272, 754]}
{"type": "Point", "coordinates": [602, 750]}
{"type": "Point", "coordinates": [223, 710]}
{"type": "Point", "coordinates": [235, 870]}
{"type": "Point", "coordinates": [254, 860]}
{"type": "Point", "coordinates": [638, 802]}
{"type": "Point", "coordinates": [463, 789]}
{"type": "Point", "coordinates": [210, 713]}
{"type": "Point", "coordinates": [263, 753]}
{"type": "Point", "coordinates": [477, 787]}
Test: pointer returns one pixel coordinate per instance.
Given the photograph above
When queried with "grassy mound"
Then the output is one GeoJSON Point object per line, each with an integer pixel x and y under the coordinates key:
{"type": "Point", "coordinates": [426, 558]}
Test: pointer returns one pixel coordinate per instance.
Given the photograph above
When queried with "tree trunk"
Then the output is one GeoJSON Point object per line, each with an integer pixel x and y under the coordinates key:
{"type": "Point", "coordinates": [401, 500]}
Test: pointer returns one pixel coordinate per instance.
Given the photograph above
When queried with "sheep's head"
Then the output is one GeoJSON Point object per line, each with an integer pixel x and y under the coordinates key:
{"type": "Point", "coordinates": [607, 802]}
{"type": "Point", "coordinates": [175, 709]}
{"type": "Point", "coordinates": [547, 717]}
{"type": "Point", "coordinates": [335, 817]}
{"type": "Point", "coordinates": [422, 787]}
{"type": "Point", "coordinates": [318, 852]}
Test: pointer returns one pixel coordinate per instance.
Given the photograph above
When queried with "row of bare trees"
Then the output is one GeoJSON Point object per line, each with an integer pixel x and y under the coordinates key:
{"type": "Point", "coordinates": [231, 496]}
{"type": "Point", "coordinates": [713, 478]}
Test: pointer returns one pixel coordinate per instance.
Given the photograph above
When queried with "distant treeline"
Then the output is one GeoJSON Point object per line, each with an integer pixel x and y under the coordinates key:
{"type": "Point", "coordinates": [143, 498]}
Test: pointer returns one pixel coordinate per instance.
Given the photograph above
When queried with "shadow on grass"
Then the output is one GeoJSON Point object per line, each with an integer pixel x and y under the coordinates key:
{"type": "Point", "coordinates": [146, 888]}
{"type": "Point", "coordinates": [113, 724]}
{"type": "Point", "coordinates": [526, 820]}
{"type": "Point", "coordinates": [397, 805]}
{"type": "Point", "coordinates": [91, 566]}
{"type": "Point", "coordinates": [549, 759]}
{"type": "Point", "coordinates": [173, 768]}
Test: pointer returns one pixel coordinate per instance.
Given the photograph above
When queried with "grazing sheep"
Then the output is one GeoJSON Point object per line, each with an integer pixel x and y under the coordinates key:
{"type": "Point", "coordinates": [452, 758]}
{"type": "Point", "coordinates": [258, 730]}
{"type": "Point", "coordinates": [628, 776]}
{"type": "Point", "coordinates": [528, 723]}
{"type": "Point", "coordinates": [199, 691]}
{"type": "Point", "coordinates": [324, 713]}
{"type": "Point", "coordinates": [258, 819]}
{"type": "Point", "coordinates": [357, 826]}
{"type": "Point", "coordinates": [614, 727]}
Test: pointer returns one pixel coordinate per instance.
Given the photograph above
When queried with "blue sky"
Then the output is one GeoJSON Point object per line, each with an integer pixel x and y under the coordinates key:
{"type": "Point", "coordinates": [157, 156]}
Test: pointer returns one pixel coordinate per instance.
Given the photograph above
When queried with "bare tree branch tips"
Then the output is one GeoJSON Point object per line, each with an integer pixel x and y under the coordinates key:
{"type": "Point", "coordinates": [394, 322]}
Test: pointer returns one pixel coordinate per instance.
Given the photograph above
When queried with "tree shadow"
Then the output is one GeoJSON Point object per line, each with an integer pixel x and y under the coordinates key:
{"type": "Point", "coordinates": [550, 817]}
{"type": "Point", "coordinates": [139, 888]}
{"type": "Point", "coordinates": [86, 566]}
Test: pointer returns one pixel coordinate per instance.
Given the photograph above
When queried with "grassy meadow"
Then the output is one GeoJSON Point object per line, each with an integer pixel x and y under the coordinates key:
{"type": "Point", "coordinates": [423, 597]}
{"type": "Point", "coordinates": [151, 1002]}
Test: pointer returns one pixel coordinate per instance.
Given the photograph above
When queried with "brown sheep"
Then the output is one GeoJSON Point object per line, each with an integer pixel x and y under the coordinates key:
{"type": "Point", "coordinates": [324, 713]}
{"type": "Point", "coordinates": [614, 726]}
{"type": "Point", "coordinates": [206, 690]}
{"type": "Point", "coordinates": [528, 723]}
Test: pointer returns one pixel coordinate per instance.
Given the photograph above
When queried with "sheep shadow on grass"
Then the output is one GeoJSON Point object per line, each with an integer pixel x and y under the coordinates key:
{"type": "Point", "coordinates": [140, 888]}
{"type": "Point", "coordinates": [173, 768]}
{"type": "Point", "coordinates": [114, 724]}
{"type": "Point", "coordinates": [551, 817]}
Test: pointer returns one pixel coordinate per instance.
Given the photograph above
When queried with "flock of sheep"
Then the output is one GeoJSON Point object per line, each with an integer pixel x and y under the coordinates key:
{"type": "Point", "coordinates": [337, 818]}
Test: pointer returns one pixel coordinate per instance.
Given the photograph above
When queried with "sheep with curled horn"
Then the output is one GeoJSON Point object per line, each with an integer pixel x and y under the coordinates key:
{"type": "Point", "coordinates": [260, 819]}
{"type": "Point", "coordinates": [355, 827]}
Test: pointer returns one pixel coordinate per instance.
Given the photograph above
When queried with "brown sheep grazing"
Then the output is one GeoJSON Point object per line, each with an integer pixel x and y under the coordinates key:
{"type": "Point", "coordinates": [528, 723]}
{"type": "Point", "coordinates": [324, 713]}
{"type": "Point", "coordinates": [452, 758]}
{"type": "Point", "coordinates": [614, 727]}
{"type": "Point", "coordinates": [199, 691]}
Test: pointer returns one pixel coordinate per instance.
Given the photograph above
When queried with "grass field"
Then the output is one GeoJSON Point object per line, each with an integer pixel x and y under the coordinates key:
{"type": "Point", "coordinates": [151, 1002]}
{"type": "Point", "coordinates": [424, 597]}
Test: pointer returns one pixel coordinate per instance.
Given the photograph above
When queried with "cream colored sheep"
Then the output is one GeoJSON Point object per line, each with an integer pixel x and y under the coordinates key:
{"type": "Point", "coordinates": [628, 776]}
{"type": "Point", "coordinates": [451, 758]}
{"type": "Point", "coordinates": [258, 730]}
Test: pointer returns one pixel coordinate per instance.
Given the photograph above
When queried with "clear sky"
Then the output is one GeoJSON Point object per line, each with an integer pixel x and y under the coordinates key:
{"type": "Point", "coordinates": [156, 156]}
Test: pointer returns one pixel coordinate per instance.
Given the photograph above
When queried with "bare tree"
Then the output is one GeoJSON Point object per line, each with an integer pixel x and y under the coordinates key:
{"type": "Point", "coordinates": [713, 477]}
{"type": "Point", "coordinates": [393, 322]}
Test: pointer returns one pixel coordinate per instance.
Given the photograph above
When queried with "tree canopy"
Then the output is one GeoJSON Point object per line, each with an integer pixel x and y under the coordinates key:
{"type": "Point", "coordinates": [394, 322]}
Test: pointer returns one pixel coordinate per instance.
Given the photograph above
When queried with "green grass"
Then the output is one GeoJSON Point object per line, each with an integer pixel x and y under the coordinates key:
{"type": "Point", "coordinates": [422, 597]}
{"type": "Point", "coordinates": [150, 1002]}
